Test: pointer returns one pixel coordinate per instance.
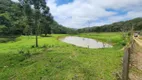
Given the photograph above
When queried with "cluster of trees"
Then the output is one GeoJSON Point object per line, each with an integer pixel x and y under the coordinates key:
{"type": "Point", "coordinates": [22, 19]}
{"type": "Point", "coordinates": [60, 29]}
{"type": "Point", "coordinates": [116, 27]}
{"type": "Point", "coordinates": [28, 17]}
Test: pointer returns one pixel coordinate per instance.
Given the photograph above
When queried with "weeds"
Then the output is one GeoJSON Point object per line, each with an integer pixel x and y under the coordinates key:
{"type": "Point", "coordinates": [21, 51]}
{"type": "Point", "coordinates": [44, 46]}
{"type": "Point", "coordinates": [25, 53]}
{"type": "Point", "coordinates": [33, 46]}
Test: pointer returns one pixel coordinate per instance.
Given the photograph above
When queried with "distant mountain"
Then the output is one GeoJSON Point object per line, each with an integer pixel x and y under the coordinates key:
{"type": "Point", "coordinates": [116, 27]}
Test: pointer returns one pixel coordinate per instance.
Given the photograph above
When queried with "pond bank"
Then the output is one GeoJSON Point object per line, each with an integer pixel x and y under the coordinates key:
{"type": "Point", "coordinates": [85, 42]}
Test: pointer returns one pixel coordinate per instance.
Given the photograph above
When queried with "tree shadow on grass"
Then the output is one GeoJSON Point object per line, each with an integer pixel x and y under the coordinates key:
{"type": "Point", "coordinates": [5, 39]}
{"type": "Point", "coordinates": [42, 35]}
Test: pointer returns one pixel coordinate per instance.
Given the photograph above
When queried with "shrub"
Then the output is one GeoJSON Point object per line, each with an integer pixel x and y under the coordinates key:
{"type": "Point", "coordinates": [123, 43]}
{"type": "Point", "coordinates": [21, 51]}
{"type": "Point", "coordinates": [32, 46]}
{"type": "Point", "coordinates": [44, 46]}
{"type": "Point", "coordinates": [27, 54]}
{"type": "Point", "coordinates": [129, 33]}
{"type": "Point", "coordinates": [24, 53]}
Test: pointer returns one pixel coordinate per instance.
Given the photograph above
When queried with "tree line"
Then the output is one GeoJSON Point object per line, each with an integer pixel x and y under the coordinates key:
{"type": "Point", "coordinates": [27, 16]}
{"type": "Point", "coordinates": [124, 26]}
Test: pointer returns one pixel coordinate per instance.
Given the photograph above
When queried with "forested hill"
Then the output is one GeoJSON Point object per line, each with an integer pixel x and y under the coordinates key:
{"type": "Point", "coordinates": [19, 19]}
{"type": "Point", "coordinates": [116, 27]}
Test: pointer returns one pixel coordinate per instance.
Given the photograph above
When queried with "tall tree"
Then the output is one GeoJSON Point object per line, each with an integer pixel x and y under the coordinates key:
{"type": "Point", "coordinates": [38, 7]}
{"type": "Point", "coordinates": [46, 21]}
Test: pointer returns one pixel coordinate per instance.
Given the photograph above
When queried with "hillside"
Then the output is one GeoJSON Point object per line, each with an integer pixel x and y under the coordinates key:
{"type": "Point", "coordinates": [116, 27]}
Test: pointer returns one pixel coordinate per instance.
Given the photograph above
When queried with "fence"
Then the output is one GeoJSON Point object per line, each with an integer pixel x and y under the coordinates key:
{"type": "Point", "coordinates": [130, 56]}
{"type": "Point", "coordinates": [126, 58]}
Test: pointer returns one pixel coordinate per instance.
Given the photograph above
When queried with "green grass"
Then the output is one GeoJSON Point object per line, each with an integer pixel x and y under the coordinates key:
{"type": "Point", "coordinates": [56, 60]}
{"type": "Point", "coordinates": [114, 38]}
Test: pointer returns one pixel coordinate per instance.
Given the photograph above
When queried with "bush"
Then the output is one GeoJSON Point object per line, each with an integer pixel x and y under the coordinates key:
{"type": "Point", "coordinates": [21, 51]}
{"type": "Point", "coordinates": [123, 43]}
{"type": "Point", "coordinates": [32, 46]}
{"type": "Point", "coordinates": [26, 54]}
{"type": "Point", "coordinates": [129, 33]}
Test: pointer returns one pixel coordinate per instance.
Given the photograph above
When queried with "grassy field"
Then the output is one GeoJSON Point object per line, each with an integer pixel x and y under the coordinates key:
{"type": "Point", "coordinates": [56, 60]}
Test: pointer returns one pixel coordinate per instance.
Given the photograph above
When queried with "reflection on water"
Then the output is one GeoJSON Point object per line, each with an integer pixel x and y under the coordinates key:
{"type": "Point", "coordinates": [84, 42]}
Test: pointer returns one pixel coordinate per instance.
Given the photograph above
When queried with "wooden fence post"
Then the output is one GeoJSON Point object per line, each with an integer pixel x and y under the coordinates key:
{"type": "Point", "coordinates": [125, 71]}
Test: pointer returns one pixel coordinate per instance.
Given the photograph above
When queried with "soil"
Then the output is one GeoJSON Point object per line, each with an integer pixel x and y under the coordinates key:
{"type": "Point", "coordinates": [136, 60]}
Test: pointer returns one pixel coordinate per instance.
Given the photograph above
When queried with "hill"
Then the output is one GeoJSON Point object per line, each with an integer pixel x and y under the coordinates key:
{"type": "Point", "coordinates": [116, 27]}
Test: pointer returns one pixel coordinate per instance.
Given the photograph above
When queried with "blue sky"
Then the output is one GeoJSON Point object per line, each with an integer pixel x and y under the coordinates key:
{"type": "Point", "coordinates": [61, 2]}
{"type": "Point", "coordinates": [82, 13]}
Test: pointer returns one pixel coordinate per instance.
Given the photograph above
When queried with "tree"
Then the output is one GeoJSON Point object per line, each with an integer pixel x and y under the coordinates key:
{"type": "Point", "coordinates": [46, 21]}
{"type": "Point", "coordinates": [5, 23]}
{"type": "Point", "coordinates": [21, 19]}
{"type": "Point", "coordinates": [38, 6]}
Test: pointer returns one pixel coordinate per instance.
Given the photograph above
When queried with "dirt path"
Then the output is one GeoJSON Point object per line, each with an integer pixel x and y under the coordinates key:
{"type": "Point", "coordinates": [136, 60]}
{"type": "Point", "coordinates": [138, 40]}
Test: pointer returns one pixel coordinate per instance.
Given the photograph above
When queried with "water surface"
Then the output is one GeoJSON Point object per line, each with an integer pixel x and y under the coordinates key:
{"type": "Point", "coordinates": [85, 42]}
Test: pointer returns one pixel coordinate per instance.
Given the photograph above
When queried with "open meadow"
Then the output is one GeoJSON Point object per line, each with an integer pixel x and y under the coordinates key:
{"type": "Point", "coordinates": [56, 60]}
{"type": "Point", "coordinates": [70, 39]}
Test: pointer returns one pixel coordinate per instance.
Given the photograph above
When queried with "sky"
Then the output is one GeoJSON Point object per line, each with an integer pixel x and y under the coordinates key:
{"type": "Point", "coordinates": [86, 13]}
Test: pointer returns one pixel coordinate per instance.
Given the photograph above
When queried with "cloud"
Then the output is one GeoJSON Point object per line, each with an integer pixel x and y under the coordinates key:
{"type": "Point", "coordinates": [15, 0]}
{"type": "Point", "coordinates": [78, 13]}
{"type": "Point", "coordinates": [83, 13]}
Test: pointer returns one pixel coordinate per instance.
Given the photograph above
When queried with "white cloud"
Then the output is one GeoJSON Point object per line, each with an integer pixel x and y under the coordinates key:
{"type": "Point", "coordinates": [133, 14]}
{"type": "Point", "coordinates": [15, 0]}
{"type": "Point", "coordinates": [79, 12]}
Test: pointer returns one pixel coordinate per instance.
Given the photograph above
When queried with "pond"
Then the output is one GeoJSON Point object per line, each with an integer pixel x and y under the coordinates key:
{"type": "Point", "coordinates": [85, 42]}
